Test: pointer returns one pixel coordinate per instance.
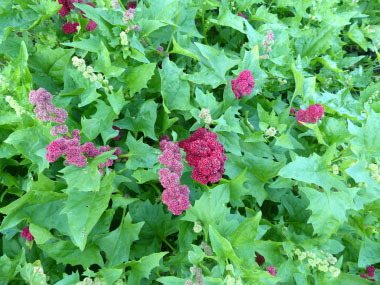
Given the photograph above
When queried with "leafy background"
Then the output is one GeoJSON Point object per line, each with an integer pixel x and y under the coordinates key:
{"type": "Point", "coordinates": [277, 193]}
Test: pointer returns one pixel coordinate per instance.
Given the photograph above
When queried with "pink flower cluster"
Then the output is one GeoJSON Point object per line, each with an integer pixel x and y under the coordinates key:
{"type": "Point", "coordinates": [271, 270]}
{"type": "Point", "coordinates": [243, 84]}
{"type": "Point", "coordinates": [76, 154]}
{"type": "Point", "coordinates": [175, 195]}
{"type": "Point", "coordinates": [67, 6]}
{"type": "Point", "coordinates": [46, 111]}
{"type": "Point", "coordinates": [25, 233]}
{"type": "Point", "coordinates": [206, 154]}
{"type": "Point", "coordinates": [118, 137]}
{"type": "Point", "coordinates": [311, 115]}
{"type": "Point", "coordinates": [260, 260]}
{"type": "Point", "coordinates": [242, 15]}
{"type": "Point", "coordinates": [132, 4]}
{"type": "Point", "coordinates": [370, 270]}
{"type": "Point", "coordinates": [267, 43]}
{"type": "Point", "coordinates": [128, 19]}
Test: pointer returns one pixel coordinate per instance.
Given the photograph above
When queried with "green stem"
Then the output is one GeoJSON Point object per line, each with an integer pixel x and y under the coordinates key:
{"type": "Point", "coordinates": [156, 188]}
{"type": "Point", "coordinates": [203, 23]}
{"type": "Point", "coordinates": [168, 244]}
{"type": "Point", "coordinates": [121, 5]}
{"type": "Point", "coordinates": [3, 194]}
{"type": "Point", "coordinates": [247, 122]}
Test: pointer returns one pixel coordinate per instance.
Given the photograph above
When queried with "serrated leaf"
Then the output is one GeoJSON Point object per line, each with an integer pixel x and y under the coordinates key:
{"type": "Point", "coordinates": [138, 77]}
{"type": "Point", "coordinates": [175, 91]}
{"type": "Point", "coordinates": [34, 148]}
{"type": "Point", "coordinates": [67, 253]}
{"type": "Point", "coordinates": [117, 243]}
{"type": "Point", "coordinates": [142, 268]}
{"type": "Point", "coordinates": [84, 209]}
{"type": "Point", "coordinates": [328, 210]}
{"type": "Point", "coordinates": [140, 155]}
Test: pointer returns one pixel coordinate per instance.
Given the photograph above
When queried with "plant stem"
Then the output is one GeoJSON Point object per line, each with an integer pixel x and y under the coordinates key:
{"type": "Point", "coordinates": [121, 5]}
{"type": "Point", "coordinates": [156, 188]}
{"type": "Point", "coordinates": [203, 23]}
{"type": "Point", "coordinates": [168, 244]}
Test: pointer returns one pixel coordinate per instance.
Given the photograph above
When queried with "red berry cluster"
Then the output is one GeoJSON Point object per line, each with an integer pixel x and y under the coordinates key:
{"type": "Point", "coordinates": [206, 154]}
{"type": "Point", "coordinates": [67, 6]}
{"type": "Point", "coordinates": [311, 115]}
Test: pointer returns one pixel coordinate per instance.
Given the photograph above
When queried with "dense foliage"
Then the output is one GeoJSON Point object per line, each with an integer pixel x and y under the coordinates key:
{"type": "Point", "coordinates": [189, 142]}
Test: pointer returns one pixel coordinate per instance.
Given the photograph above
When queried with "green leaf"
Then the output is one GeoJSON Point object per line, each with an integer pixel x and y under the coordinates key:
{"type": "Point", "coordinates": [117, 100]}
{"type": "Point", "coordinates": [67, 253]}
{"type": "Point", "coordinates": [51, 62]}
{"type": "Point", "coordinates": [259, 172]}
{"type": "Point", "coordinates": [41, 235]}
{"type": "Point", "coordinates": [211, 209]}
{"type": "Point", "coordinates": [175, 91]}
{"type": "Point", "coordinates": [222, 248]}
{"type": "Point", "coordinates": [157, 223]}
{"type": "Point", "coordinates": [365, 140]}
{"type": "Point", "coordinates": [357, 36]}
{"type": "Point", "coordinates": [40, 207]}
{"type": "Point", "coordinates": [217, 60]}
{"type": "Point", "coordinates": [8, 267]}
{"type": "Point", "coordinates": [110, 275]}
{"type": "Point", "coordinates": [117, 243]}
{"type": "Point", "coordinates": [313, 169]}
{"type": "Point", "coordinates": [180, 50]}
{"type": "Point", "coordinates": [105, 115]}
{"type": "Point", "coordinates": [138, 77]}
{"type": "Point", "coordinates": [82, 179]}
{"type": "Point", "coordinates": [84, 209]}
{"type": "Point", "coordinates": [34, 148]}
{"type": "Point", "coordinates": [228, 122]}
{"type": "Point", "coordinates": [328, 209]}
{"type": "Point", "coordinates": [171, 280]}
{"type": "Point", "coordinates": [146, 119]}
{"type": "Point", "coordinates": [90, 128]}
{"type": "Point", "coordinates": [226, 18]}
{"type": "Point", "coordinates": [369, 253]}
{"type": "Point", "coordinates": [246, 231]}
{"type": "Point", "coordinates": [140, 155]}
{"type": "Point", "coordinates": [91, 44]}
{"type": "Point", "coordinates": [142, 268]}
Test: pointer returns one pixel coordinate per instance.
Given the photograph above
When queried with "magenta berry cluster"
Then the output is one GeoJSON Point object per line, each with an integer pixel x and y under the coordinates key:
{"type": "Point", "coordinates": [46, 111]}
{"type": "Point", "coordinates": [77, 154]}
{"type": "Point", "coordinates": [25, 233]}
{"type": "Point", "coordinates": [206, 154]}
{"type": "Point", "coordinates": [243, 84]}
{"type": "Point", "coordinates": [175, 195]}
{"type": "Point", "coordinates": [311, 115]}
{"type": "Point", "coordinates": [67, 6]}
{"type": "Point", "coordinates": [370, 273]}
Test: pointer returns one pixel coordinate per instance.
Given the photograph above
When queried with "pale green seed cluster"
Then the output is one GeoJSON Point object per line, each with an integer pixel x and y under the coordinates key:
{"type": "Point", "coordinates": [197, 228]}
{"type": "Point", "coordinates": [88, 281]}
{"type": "Point", "coordinates": [124, 39]}
{"type": "Point", "coordinates": [373, 167]}
{"type": "Point", "coordinates": [373, 97]}
{"type": "Point", "coordinates": [324, 264]}
{"type": "Point", "coordinates": [282, 81]}
{"type": "Point", "coordinates": [230, 278]}
{"type": "Point", "coordinates": [205, 116]}
{"type": "Point", "coordinates": [271, 132]}
{"type": "Point", "coordinates": [335, 169]}
{"type": "Point", "coordinates": [88, 73]}
{"type": "Point", "coordinates": [15, 106]}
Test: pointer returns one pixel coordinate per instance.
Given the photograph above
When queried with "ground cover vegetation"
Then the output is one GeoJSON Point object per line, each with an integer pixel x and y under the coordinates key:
{"type": "Point", "coordinates": [189, 142]}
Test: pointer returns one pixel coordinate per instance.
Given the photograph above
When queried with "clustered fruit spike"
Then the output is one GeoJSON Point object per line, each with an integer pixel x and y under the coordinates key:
{"type": "Point", "coordinates": [206, 154]}
{"type": "Point", "coordinates": [243, 84]}
{"type": "Point", "coordinates": [175, 195]}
